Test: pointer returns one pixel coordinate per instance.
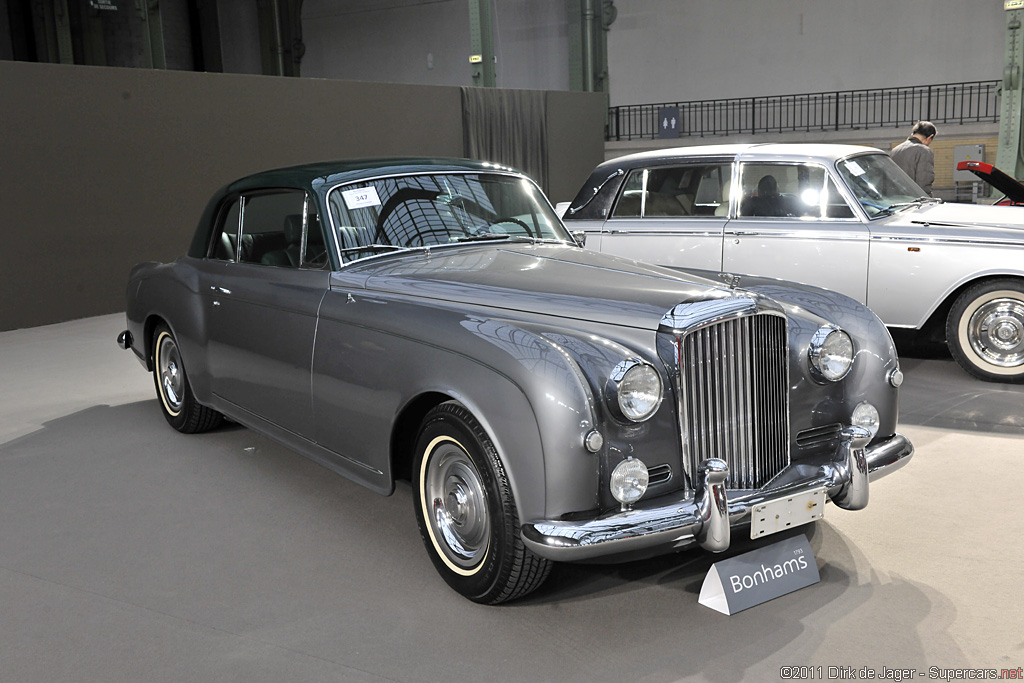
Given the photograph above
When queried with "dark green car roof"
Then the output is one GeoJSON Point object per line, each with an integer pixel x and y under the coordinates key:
{"type": "Point", "coordinates": [333, 173]}
{"type": "Point", "coordinates": [321, 175]}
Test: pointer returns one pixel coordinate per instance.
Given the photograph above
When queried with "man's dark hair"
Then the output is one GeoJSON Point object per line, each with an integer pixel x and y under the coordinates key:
{"type": "Point", "coordinates": [925, 129]}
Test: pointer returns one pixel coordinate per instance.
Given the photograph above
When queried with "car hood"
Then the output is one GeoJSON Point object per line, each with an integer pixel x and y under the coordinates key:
{"type": "Point", "coordinates": [1003, 182]}
{"type": "Point", "coordinates": [551, 280]}
{"type": "Point", "coordinates": [968, 220]}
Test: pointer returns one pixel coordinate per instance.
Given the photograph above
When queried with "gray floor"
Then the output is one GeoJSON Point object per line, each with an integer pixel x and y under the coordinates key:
{"type": "Point", "coordinates": [129, 552]}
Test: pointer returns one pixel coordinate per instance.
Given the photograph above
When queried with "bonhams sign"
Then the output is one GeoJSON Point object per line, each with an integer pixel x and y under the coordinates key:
{"type": "Point", "coordinates": [761, 575]}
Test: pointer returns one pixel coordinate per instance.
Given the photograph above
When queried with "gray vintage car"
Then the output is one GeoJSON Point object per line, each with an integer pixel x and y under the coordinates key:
{"type": "Point", "coordinates": [837, 216]}
{"type": "Point", "coordinates": [432, 321]}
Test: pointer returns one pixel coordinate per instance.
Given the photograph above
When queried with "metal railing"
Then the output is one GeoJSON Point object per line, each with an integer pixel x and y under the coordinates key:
{"type": "Point", "coordinates": [948, 103]}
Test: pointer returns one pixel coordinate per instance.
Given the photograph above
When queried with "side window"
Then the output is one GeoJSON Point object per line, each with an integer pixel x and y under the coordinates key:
{"type": "Point", "coordinates": [224, 246]}
{"type": "Point", "coordinates": [790, 191]}
{"type": "Point", "coordinates": [315, 253]}
{"type": "Point", "coordinates": [272, 228]}
{"type": "Point", "coordinates": [675, 191]}
{"type": "Point", "coordinates": [632, 195]}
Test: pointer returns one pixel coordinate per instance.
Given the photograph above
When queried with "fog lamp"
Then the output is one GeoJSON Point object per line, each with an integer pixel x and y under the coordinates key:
{"type": "Point", "coordinates": [831, 353]}
{"type": "Point", "coordinates": [629, 481]}
{"type": "Point", "coordinates": [866, 415]}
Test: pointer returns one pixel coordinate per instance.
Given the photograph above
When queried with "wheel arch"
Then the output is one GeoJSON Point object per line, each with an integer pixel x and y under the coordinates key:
{"type": "Point", "coordinates": [934, 328]}
{"type": "Point", "coordinates": [149, 327]}
{"type": "Point", "coordinates": [405, 430]}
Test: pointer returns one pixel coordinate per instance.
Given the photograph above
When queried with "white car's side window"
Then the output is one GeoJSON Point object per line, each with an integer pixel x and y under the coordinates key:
{"type": "Point", "coordinates": [790, 191]}
{"type": "Point", "coordinates": [698, 190]}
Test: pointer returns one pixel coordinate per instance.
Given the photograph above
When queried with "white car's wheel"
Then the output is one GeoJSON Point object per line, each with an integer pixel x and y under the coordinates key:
{"type": "Point", "coordinates": [466, 512]}
{"type": "Point", "coordinates": [985, 330]}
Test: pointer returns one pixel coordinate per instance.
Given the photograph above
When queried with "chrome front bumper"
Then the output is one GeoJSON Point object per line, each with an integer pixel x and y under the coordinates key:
{"type": "Point", "coordinates": [708, 517]}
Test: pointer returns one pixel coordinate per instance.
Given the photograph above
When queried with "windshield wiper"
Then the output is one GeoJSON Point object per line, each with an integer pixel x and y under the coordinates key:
{"type": "Point", "coordinates": [494, 236]}
{"type": "Point", "coordinates": [375, 248]}
{"type": "Point", "coordinates": [484, 237]}
{"type": "Point", "coordinates": [920, 201]}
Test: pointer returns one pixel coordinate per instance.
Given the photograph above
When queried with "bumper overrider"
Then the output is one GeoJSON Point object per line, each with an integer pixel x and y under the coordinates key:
{"type": "Point", "coordinates": [708, 517]}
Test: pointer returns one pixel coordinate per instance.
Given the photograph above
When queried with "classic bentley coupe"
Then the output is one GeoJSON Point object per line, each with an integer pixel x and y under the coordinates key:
{"type": "Point", "coordinates": [433, 321]}
{"type": "Point", "coordinates": [836, 216]}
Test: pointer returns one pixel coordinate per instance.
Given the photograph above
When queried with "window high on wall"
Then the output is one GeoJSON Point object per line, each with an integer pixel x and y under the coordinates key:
{"type": "Point", "coordinates": [239, 36]}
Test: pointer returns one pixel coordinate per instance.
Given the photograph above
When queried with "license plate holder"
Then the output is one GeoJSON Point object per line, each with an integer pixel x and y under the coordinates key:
{"type": "Point", "coordinates": [786, 512]}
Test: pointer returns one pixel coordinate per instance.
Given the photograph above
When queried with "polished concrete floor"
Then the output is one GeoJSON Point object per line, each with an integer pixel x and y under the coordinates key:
{"type": "Point", "coordinates": [129, 552]}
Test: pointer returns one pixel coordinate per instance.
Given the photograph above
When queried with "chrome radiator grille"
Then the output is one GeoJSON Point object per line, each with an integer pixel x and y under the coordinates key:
{"type": "Point", "coordinates": [734, 398]}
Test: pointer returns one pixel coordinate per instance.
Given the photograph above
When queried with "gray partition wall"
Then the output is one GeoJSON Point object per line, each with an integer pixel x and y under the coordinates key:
{"type": "Point", "coordinates": [101, 168]}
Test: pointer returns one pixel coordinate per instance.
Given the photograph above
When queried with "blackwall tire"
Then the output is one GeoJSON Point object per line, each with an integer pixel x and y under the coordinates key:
{"type": "Point", "coordinates": [985, 330]}
{"type": "Point", "coordinates": [173, 391]}
{"type": "Point", "coordinates": [466, 512]}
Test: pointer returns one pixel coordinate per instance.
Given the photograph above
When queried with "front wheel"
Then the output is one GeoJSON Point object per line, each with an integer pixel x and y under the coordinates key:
{"type": "Point", "coordinates": [985, 330]}
{"type": "Point", "coordinates": [177, 402]}
{"type": "Point", "coordinates": [466, 512]}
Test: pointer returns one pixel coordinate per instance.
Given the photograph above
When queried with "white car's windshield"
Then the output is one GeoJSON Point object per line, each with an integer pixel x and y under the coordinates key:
{"type": "Point", "coordinates": [433, 209]}
{"type": "Point", "coordinates": [879, 184]}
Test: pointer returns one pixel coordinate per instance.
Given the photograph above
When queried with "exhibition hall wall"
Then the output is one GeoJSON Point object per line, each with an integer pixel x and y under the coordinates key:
{"type": "Point", "coordinates": [665, 50]}
{"type": "Point", "coordinates": [668, 50]}
{"type": "Point", "coordinates": [102, 168]}
{"type": "Point", "coordinates": [411, 41]}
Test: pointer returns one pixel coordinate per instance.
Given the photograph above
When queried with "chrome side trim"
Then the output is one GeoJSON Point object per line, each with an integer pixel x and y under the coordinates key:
{"type": "Point", "coordinates": [948, 240]}
{"type": "Point", "coordinates": [834, 235]}
{"type": "Point", "coordinates": [675, 521]}
{"type": "Point", "coordinates": [662, 233]}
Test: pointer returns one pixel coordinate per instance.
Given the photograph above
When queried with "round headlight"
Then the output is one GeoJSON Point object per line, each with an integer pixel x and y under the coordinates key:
{"type": "Point", "coordinates": [629, 481]}
{"type": "Point", "coordinates": [866, 415]}
{"type": "Point", "coordinates": [637, 388]}
{"type": "Point", "coordinates": [831, 353]}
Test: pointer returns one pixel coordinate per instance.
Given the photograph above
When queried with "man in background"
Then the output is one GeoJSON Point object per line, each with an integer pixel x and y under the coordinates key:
{"type": "Point", "coordinates": [916, 157]}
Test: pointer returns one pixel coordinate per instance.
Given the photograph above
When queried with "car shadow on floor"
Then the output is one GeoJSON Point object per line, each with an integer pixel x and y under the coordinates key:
{"type": "Point", "coordinates": [937, 392]}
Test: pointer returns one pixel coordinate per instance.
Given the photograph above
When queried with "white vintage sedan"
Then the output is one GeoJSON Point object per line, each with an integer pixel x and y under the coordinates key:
{"type": "Point", "coordinates": [841, 217]}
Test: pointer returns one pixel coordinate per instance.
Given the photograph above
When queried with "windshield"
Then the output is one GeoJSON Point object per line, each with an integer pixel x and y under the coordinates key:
{"type": "Point", "coordinates": [426, 210]}
{"type": "Point", "coordinates": [879, 184]}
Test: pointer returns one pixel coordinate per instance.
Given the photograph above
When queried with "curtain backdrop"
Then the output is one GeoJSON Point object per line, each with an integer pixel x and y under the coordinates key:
{"type": "Point", "coordinates": [507, 127]}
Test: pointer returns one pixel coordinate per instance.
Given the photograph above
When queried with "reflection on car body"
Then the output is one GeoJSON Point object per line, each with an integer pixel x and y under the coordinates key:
{"type": "Point", "coordinates": [432, 320]}
{"type": "Point", "coordinates": [837, 216]}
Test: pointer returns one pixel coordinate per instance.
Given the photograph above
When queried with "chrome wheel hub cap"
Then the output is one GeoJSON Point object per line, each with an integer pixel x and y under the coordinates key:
{"type": "Point", "coordinates": [458, 505]}
{"type": "Point", "coordinates": [996, 332]}
{"type": "Point", "coordinates": [171, 377]}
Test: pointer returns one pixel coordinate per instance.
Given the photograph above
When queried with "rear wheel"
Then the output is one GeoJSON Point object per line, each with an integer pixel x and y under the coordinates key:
{"type": "Point", "coordinates": [985, 330]}
{"type": "Point", "coordinates": [177, 402]}
{"type": "Point", "coordinates": [466, 513]}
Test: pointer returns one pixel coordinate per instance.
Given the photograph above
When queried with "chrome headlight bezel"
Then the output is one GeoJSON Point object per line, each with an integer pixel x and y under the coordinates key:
{"type": "Point", "coordinates": [829, 344]}
{"type": "Point", "coordinates": [635, 390]}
